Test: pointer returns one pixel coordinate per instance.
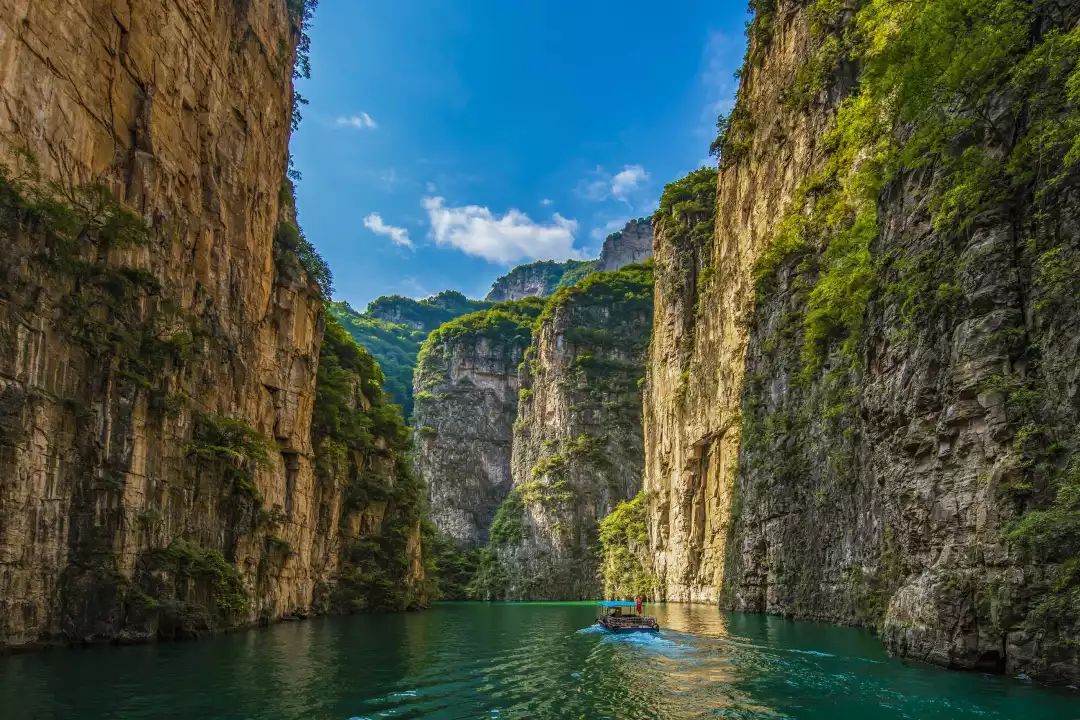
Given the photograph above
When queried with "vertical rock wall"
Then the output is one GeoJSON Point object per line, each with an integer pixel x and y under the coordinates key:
{"type": "Point", "coordinates": [704, 302]}
{"type": "Point", "coordinates": [577, 440]}
{"type": "Point", "coordinates": [466, 401]}
{"type": "Point", "coordinates": [871, 476]}
{"type": "Point", "coordinates": [124, 359]}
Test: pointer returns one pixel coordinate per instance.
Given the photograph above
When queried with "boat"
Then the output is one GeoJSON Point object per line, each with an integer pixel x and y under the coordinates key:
{"type": "Point", "coordinates": [621, 616]}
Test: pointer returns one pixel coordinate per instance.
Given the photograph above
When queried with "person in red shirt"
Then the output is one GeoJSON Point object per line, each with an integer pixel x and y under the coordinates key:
{"type": "Point", "coordinates": [637, 604]}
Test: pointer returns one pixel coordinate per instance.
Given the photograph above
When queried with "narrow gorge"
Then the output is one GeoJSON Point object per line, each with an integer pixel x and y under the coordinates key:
{"type": "Point", "coordinates": [180, 450]}
{"type": "Point", "coordinates": [832, 377]}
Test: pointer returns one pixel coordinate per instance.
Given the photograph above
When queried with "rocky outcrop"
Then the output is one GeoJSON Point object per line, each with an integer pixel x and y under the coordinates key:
{"type": "Point", "coordinates": [577, 439]}
{"type": "Point", "coordinates": [426, 314]}
{"type": "Point", "coordinates": [160, 333]}
{"type": "Point", "coordinates": [538, 279]}
{"type": "Point", "coordinates": [466, 401]}
{"type": "Point", "coordinates": [393, 328]}
{"type": "Point", "coordinates": [632, 244]}
{"type": "Point", "coordinates": [858, 408]}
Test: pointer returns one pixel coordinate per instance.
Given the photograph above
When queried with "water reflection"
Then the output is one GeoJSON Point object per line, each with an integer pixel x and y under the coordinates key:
{"type": "Point", "coordinates": [514, 661]}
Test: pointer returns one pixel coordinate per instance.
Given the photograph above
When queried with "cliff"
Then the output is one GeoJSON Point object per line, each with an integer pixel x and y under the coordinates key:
{"type": "Point", "coordinates": [577, 448]}
{"type": "Point", "coordinates": [370, 503]}
{"type": "Point", "coordinates": [632, 244]}
{"type": "Point", "coordinates": [393, 328]}
{"type": "Point", "coordinates": [861, 404]}
{"type": "Point", "coordinates": [466, 402]}
{"type": "Point", "coordinates": [161, 326]}
{"type": "Point", "coordinates": [537, 279]}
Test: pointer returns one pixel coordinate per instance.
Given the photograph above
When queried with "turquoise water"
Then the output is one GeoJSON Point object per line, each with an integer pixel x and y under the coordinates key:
{"type": "Point", "coordinates": [535, 661]}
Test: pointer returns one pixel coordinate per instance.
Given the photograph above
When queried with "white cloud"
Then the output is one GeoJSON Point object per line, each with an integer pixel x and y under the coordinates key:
{"type": "Point", "coordinates": [546, 202]}
{"type": "Point", "coordinates": [627, 180]}
{"type": "Point", "coordinates": [397, 235]}
{"type": "Point", "coordinates": [363, 121]}
{"type": "Point", "coordinates": [620, 186]}
{"type": "Point", "coordinates": [505, 239]}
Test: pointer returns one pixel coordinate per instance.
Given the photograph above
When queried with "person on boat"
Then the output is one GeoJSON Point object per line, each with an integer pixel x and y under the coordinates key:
{"type": "Point", "coordinates": [637, 604]}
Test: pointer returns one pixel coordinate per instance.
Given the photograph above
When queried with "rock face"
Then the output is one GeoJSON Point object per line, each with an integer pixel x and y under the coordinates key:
{"type": "Point", "coordinates": [632, 244]}
{"type": "Point", "coordinates": [466, 401]}
{"type": "Point", "coordinates": [876, 424]}
{"type": "Point", "coordinates": [538, 279]}
{"type": "Point", "coordinates": [158, 335]}
{"type": "Point", "coordinates": [393, 328]}
{"type": "Point", "coordinates": [577, 439]}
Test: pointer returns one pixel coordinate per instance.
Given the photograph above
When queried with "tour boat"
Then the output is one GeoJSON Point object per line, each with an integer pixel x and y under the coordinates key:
{"type": "Point", "coordinates": [613, 619]}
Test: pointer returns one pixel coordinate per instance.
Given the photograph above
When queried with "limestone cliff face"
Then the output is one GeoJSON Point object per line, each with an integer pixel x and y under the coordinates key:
{"type": "Point", "coordinates": [159, 335]}
{"type": "Point", "coordinates": [856, 437]}
{"type": "Point", "coordinates": [537, 279]}
{"type": "Point", "coordinates": [632, 244]}
{"type": "Point", "coordinates": [466, 393]}
{"type": "Point", "coordinates": [577, 439]}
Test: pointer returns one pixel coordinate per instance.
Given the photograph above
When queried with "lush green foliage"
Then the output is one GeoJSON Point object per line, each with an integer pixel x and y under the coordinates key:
{"type": "Point", "coordinates": [507, 528]}
{"type": "Point", "coordinates": [623, 544]}
{"type": "Point", "coordinates": [426, 314]}
{"type": "Point", "coordinates": [577, 271]}
{"type": "Point", "coordinates": [550, 272]}
{"type": "Point", "coordinates": [190, 563]}
{"type": "Point", "coordinates": [362, 444]}
{"type": "Point", "coordinates": [233, 447]}
{"type": "Point", "coordinates": [396, 343]}
{"type": "Point", "coordinates": [626, 293]}
{"type": "Point", "coordinates": [452, 568]}
{"type": "Point", "coordinates": [291, 246]}
{"type": "Point", "coordinates": [688, 204]}
{"type": "Point", "coordinates": [507, 322]}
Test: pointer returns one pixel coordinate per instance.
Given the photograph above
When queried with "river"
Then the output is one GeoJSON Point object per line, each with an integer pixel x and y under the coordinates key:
{"type": "Point", "coordinates": [530, 660]}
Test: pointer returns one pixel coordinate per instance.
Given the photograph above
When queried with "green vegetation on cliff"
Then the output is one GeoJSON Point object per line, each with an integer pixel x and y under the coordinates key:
{"type": "Point", "coordinates": [361, 448]}
{"type": "Point", "coordinates": [587, 355]}
{"type": "Point", "coordinates": [548, 275]}
{"type": "Point", "coordinates": [393, 328]}
{"type": "Point", "coordinates": [623, 545]}
{"type": "Point", "coordinates": [966, 113]}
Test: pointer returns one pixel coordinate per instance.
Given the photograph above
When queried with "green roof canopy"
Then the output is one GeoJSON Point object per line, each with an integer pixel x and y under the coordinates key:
{"type": "Point", "coordinates": [616, 603]}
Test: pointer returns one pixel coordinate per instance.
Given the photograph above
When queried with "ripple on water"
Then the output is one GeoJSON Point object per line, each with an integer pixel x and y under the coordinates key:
{"type": "Point", "coordinates": [515, 662]}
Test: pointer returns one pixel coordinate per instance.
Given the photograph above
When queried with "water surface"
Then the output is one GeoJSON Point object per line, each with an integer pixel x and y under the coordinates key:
{"type": "Point", "coordinates": [534, 661]}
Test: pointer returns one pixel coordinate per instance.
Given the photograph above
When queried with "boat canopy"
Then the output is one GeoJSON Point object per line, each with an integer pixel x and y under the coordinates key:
{"type": "Point", "coordinates": [616, 603]}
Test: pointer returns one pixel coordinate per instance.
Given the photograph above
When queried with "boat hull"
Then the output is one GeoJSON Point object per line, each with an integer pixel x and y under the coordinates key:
{"type": "Point", "coordinates": [647, 625]}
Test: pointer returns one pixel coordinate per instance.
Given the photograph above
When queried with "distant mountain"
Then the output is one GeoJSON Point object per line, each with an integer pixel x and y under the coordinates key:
{"type": "Point", "coordinates": [537, 279]}
{"type": "Point", "coordinates": [393, 328]}
{"type": "Point", "coordinates": [632, 244]}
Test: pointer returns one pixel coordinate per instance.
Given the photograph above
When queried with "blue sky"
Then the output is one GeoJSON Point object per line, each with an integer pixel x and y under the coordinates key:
{"type": "Point", "coordinates": [449, 140]}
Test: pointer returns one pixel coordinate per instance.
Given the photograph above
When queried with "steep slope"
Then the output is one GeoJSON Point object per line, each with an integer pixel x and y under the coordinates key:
{"type": "Point", "coordinates": [466, 402]}
{"type": "Point", "coordinates": [370, 502]}
{"type": "Point", "coordinates": [393, 328]}
{"type": "Point", "coordinates": [632, 244]}
{"type": "Point", "coordinates": [577, 439]}
{"type": "Point", "coordinates": [161, 319]}
{"type": "Point", "coordinates": [877, 423]}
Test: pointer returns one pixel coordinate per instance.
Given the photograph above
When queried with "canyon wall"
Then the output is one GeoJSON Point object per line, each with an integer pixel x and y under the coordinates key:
{"type": "Point", "coordinates": [160, 333]}
{"type": "Point", "coordinates": [466, 393]}
{"type": "Point", "coordinates": [861, 402]}
{"type": "Point", "coordinates": [577, 448]}
{"type": "Point", "coordinates": [632, 244]}
{"type": "Point", "coordinates": [538, 279]}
